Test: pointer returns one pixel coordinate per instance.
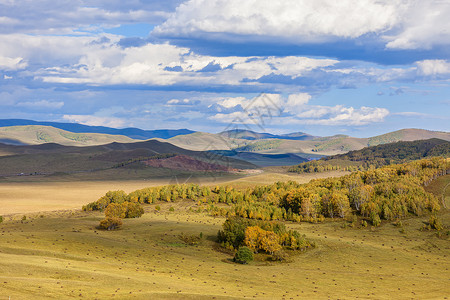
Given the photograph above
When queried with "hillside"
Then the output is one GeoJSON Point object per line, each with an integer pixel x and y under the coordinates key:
{"type": "Point", "coordinates": [407, 135]}
{"type": "Point", "coordinates": [203, 141]}
{"type": "Point", "coordinates": [316, 147]}
{"type": "Point", "coordinates": [37, 134]}
{"type": "Point", "coordinates": [115, 160]}
{"type": "Point", "coordinates": [133, 133]}
{"type": "Point", "coordinates": [377, 156]}
{"type": "Point", "coordinates": [252, 135]}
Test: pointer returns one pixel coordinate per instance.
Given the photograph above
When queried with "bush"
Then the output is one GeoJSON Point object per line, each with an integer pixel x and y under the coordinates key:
{"type": "Point", "coordinates": [435, 223]}
{"type": "Point", "coordinates": [243, 255]}
{"type": "Point", "coordinates": [1, 219]}
{"type": "Point", "coordinates": [110, 223]}
{"type": "Point", "coordinates": [375, 219]}
{"type": "Point", "coordinates": [115, 210]}
{"type": "Point", "coordinates": [133, 210]}
{"type": "Point", "coordinates": [190, 240]}
{"type": "Point", "coordinates": [279, 256]}
{"type": "Point", "coordinates": [157, 207]}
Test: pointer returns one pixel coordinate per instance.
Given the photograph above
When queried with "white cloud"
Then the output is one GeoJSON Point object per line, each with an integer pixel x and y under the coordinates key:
{"type": "Point", "coordinates": [96, 120]}
{"type": "Point", "coordinates": [433, 67]}
{"type": "Point", "coordinates": [63, 16]}
{"type": "Point", "coordinates": [295, 110]}
{"type": "Point", "coordinates": [42, 104]}
{"type": "Point", "coordinates": [340, 115]}
{"type": "Point", "coordinates": [233, 102]}
{"type": "Point", "coordinates": [298, 20]}
{"type": "Point", "coordinates": [9, 63]}
{"type": "Point", "coordinates": [180, 102]}
{"type": "Point", "coordinates": [422, 24]}
{"type": "Point", "coordinates": [295, 101]}
{"type": "Point", "coordinates": [401, 24]}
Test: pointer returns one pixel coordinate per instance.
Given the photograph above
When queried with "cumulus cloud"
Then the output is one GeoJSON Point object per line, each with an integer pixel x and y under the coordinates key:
{"type": "Point", "coordinates": [298, 20]}
{"type": "Point", "coordinates": [65, 16]}
{"type": "Point", "coordinates": [93, 120]}
{"type": "Point", "coordinates": [181, 102]}
{"type": "Point", "coordinates": [431, 67]}
{"type": "Point", "coordinates": [399, 24]}
{"type": "Point", "coordinates": [340, 115]}
{"type": "Point", "coordinates": [295, 108]}
{"type": "Point", "coordinates": [421, 25]}
{"type": "Point", "coordinates": [42, 104]}
{"type": "Point", "coordinates": [9, 63]}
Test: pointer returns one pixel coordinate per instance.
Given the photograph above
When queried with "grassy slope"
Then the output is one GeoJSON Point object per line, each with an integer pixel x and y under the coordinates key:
{"type": "Point", "coordinates": [35, 134]}
{"type": "Point", "coordinates": [324, 146]}
{"type": "Point", "coordinates": [64, 256]}
{"type": "Point", "coordinates": [202, 141]}
{"type": "Point", "coordinates": [69, 192]}
{"type": "Point", "coordinates": [95, 162]}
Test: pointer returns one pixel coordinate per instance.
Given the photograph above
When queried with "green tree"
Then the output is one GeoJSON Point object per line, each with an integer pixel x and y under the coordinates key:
{"type": "Point", "coordinates": [243, 256]}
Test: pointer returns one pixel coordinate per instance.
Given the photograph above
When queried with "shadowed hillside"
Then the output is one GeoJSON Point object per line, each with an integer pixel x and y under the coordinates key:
{"type": "Point", "coordinates": [112, 160]}
{"type": "Point", "coordinates": [134, 133]}
{"type": "Point", "coordinates": [377, 156]}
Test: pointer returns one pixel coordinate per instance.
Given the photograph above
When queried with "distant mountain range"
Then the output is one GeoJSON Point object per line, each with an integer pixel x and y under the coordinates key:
{"type": "Point", "coordinates": [19, 132]}
{"type": "Point", "coordinates": [251, 135]}
{"type": "Point", "coordinates": [138, 160]}
{"type": "Point", "coordinates": [134, 133]}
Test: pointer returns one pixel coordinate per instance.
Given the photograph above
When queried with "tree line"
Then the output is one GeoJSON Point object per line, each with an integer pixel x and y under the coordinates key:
{"type": "Point", "coordinates": [388, 193]}
{"type": "Point", "coordinates": [376, 156]}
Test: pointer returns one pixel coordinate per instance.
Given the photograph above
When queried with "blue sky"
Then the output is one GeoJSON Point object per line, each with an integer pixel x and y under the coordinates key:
{"type": "Point", "coordinates": [356, 67]}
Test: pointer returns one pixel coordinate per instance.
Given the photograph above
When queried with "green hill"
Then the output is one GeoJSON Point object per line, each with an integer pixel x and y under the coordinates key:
{"type": "Point", "coordinates": [36, 134]}
{"type": "Point", "coordinates": [377, 156]}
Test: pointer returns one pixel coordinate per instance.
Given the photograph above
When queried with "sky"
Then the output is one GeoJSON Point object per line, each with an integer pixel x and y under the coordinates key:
{"type": "Point", "coordinates": [324, 67]}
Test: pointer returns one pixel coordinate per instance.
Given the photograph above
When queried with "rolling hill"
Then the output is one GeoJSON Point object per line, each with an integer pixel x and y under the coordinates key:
{"type": "Point", "coordinates": [37, 134]}
{"type": "Point", "coordinates": [133, 133]}
{"type": "Point", "coordinates": [377, 156]}
{"type": "Point", "coordinates": [316, 147]}
{"type": "Point", "coordinates": [252, 135]}
{"type": "Point", "coordinates": [147, 159]}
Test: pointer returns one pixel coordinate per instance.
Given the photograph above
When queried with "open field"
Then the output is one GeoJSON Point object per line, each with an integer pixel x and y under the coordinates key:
{"type": "Point", "coordinates": [64, 256]}
{"type": "Point", "coordinates": [32, 197]}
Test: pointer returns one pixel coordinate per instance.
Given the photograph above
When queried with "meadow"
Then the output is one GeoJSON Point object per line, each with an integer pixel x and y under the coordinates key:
{"type": "Point", "coordinates": [65, 256]}
{"type": "Point", "coordinates": [61, 254]}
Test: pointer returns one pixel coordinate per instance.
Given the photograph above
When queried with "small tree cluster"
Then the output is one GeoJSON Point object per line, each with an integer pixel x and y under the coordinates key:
{"type": "Point", "coordinates": [260, 235]}
{"type": "Point", "coordinates": [243, 255]}
{"type": "Point", "coordinates": [260, 239]}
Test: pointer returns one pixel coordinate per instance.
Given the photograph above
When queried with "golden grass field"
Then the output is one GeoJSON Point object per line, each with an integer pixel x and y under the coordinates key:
{"type": "Point", "coordinates": [64, 256]}
{"type": "Point", "coordinates": [61, 255]}
{"type": "Point", "coordinates": [33, 197]}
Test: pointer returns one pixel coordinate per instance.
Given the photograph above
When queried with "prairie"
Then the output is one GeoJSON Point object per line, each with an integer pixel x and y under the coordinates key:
{"type": "Point", "coordinates": [61, 254]}
{"type": "Point", "coordinates": [64, 256]}
{"type": "Point", "coordinates": [37, 196]}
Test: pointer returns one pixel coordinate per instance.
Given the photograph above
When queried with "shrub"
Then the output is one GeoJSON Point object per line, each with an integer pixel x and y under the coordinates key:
{"type": "Point", "coordinates": [110, 223]}
{"type": "Point", "coordinates": [115, 210]}
{"type": "Point", "coordinates": [171, 208]}
{"type": "Point", "coordinates": [279, 256]}
{"type": "Point", "coordinates": [133, 210]}
{"type": "Point", "coordinates": [435, 223]}
{"type": "Point", "coordinates": [157, 207]}
{"type": "Point", "coordinates": [190, 240]}
{"type": "Point", "coordinates": [243, 255]}
{"type": "Point", "coordinates": [375, 219]}
{"type": "Point", "coordinates": [1, 219]}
